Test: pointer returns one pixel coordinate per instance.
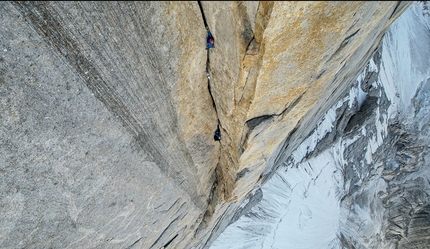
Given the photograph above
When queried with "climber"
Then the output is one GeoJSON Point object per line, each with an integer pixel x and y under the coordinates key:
{"type": "Point", "coordinates": [210, 42]}
{"type": "Point", "coordinates": [217, 135]}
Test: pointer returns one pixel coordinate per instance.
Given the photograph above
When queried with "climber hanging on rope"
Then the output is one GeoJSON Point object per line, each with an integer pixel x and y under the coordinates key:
{"type": "Point", "coordinates": [210, 42]}
{"type": "Point", "coordinates": [217, 135]}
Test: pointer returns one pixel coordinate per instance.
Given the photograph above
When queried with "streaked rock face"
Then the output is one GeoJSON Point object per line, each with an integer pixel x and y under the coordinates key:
{"type": "Point", "coordinates": [361, 177]}
{"type": "Point", "coordinates": [107, 122]}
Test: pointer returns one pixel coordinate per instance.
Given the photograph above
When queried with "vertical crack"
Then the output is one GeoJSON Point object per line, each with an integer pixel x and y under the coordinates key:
{"type": "Point", "coordinates": [217, 135]}
{"type": "Point", "coordinates": [208, 74]}
{"type": "Point", "coordinates": [203, 13]}
{"type": "Point", "coordinates": [214, 195]}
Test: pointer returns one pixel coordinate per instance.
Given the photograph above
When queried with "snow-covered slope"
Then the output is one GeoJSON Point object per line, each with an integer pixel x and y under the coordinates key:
{"type": "Point", "coordinates": [361, 179]}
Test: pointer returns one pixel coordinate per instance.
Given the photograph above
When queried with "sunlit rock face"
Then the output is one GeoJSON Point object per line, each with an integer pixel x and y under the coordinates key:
{"type": "Point", "coordinates": [361, 177]}
{"type": "Point", "coordinates": [108, 111]}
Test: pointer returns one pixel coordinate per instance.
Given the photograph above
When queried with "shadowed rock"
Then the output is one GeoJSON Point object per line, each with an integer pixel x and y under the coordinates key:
{"type": "Point", "coordinates": [107, 123]}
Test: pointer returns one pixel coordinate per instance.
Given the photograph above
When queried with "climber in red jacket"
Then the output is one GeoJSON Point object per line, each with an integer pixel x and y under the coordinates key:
{"type": "Point", "coordinates": [210, 41]}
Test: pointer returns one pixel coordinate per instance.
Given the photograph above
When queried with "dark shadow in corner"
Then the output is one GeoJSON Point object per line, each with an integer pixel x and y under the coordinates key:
{"type": "Point", "coordinates": [203, 13]}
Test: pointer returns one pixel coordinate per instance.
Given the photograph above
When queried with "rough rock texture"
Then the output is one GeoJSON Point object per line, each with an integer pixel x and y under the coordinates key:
{"type": "Point", "coordinates": [107, 122]}
{"type": "Point", "coordinates": [361, 178]}
{"type": "Point", "coordinates": [298, 61]}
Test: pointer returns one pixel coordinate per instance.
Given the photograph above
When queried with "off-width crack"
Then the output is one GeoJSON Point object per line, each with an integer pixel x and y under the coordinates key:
{"type": "Point", "coordinates": [213, 196]}
{"type": "Point", "coordinates": [208, 74]}
{"type": "Point", "coordinates": [203, 13]}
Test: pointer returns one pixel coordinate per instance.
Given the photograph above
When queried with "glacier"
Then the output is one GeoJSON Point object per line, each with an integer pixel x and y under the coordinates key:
{"type": "Point", "coordinates": [361, 178]}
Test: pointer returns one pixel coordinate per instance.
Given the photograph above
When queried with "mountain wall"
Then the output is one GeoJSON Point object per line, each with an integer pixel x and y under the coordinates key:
{"type": "Point", "coordinates": [361, 177]}
{"type": "Point", "coordinates": [108, 111]}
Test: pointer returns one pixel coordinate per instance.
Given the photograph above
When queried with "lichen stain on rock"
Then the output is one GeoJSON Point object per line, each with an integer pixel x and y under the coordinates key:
{"type": "Point", "coordinates": [302, 34]}
{"type": "Point", "coordinates": [297, 72]}
{"type": "Point", "coordinates": [136, 79]}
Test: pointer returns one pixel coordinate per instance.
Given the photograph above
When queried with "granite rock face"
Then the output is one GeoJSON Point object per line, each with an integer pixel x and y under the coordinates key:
{"type": "Point", "coordinates": [107, 120]}
{"type": "Point", "coordinates": [361, 177]}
